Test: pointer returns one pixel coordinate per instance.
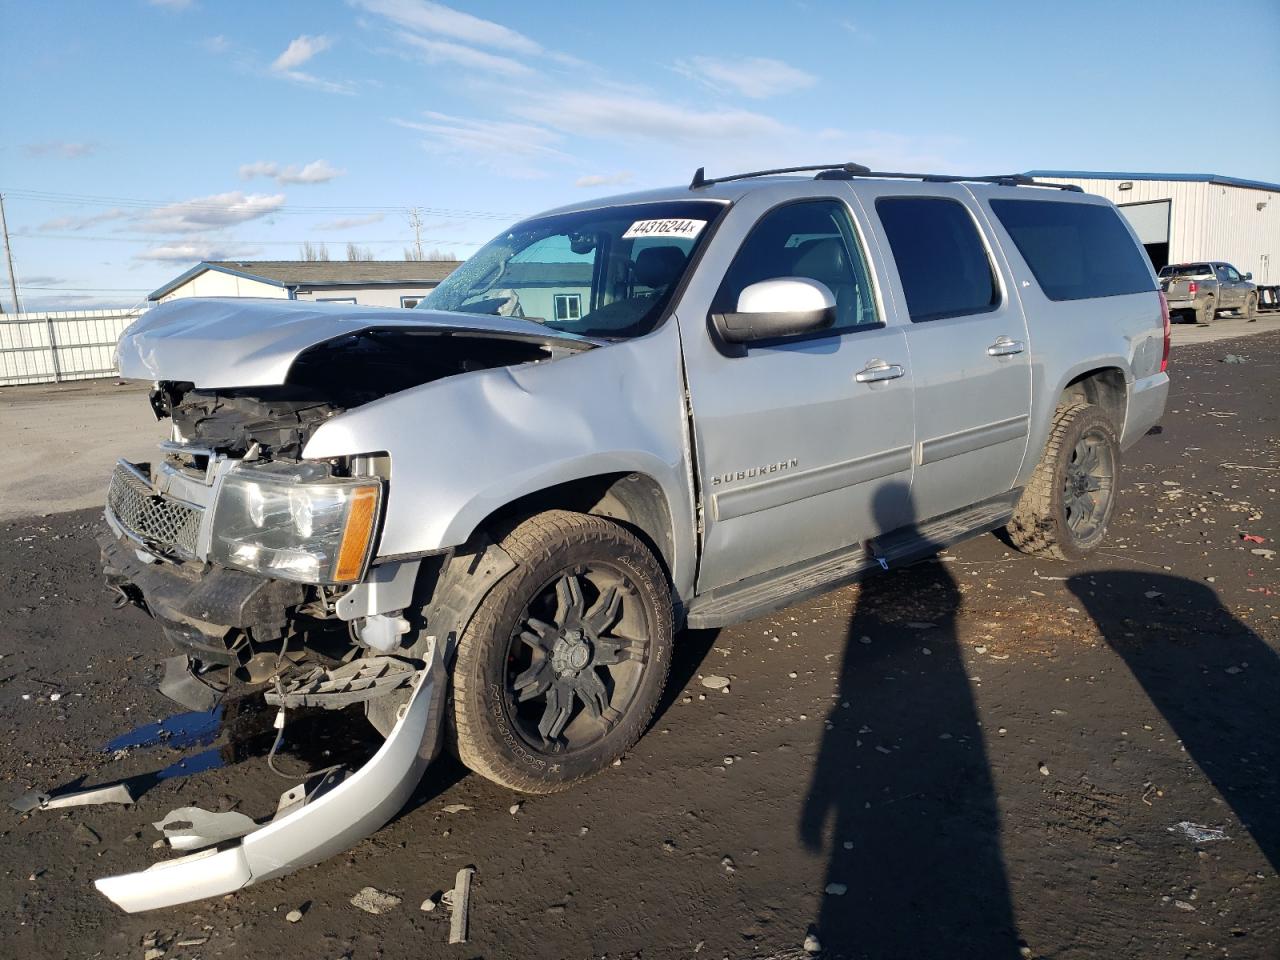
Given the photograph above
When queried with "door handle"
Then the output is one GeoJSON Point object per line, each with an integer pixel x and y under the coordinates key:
{"type": "Point", "coordinates": [1005, 347]}
{"type": "Point", "coordinates": [877, 370]}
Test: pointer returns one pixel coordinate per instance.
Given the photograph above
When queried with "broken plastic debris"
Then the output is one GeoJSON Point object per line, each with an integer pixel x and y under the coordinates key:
{"type": "Point", "coordinates": [1198, 832]}
{"type": "Point", "coordinates": [715, 683]}
{"type": "Point", "coordinates": [311, 830]}
{"type": "Point", "coordinates": [1252, 538]}
{"type": "Point", "coordinates": [355, 682]}
{"type": "Point", "coordinates": [107, 793]}
{"type": "Point", "coordinates": [192, 828]}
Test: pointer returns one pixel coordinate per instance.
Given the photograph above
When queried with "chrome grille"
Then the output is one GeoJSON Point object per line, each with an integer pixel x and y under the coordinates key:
{"type": "Point", "coordinates": [152, 517]}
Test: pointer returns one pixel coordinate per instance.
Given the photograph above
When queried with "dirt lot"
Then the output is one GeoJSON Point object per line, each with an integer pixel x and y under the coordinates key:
{"type": "Point", "coordinates": [987, 754]}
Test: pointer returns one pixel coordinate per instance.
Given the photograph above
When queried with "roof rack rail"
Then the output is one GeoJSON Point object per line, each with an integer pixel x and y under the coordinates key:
{"type": "Point", "coordinates": [848, 171]}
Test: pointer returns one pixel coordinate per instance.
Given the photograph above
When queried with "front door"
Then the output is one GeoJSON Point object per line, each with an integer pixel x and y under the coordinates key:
{"type": "Point", "coordinates": [967, 342]}
{"type": "Point", "coordinates": [797, 456]}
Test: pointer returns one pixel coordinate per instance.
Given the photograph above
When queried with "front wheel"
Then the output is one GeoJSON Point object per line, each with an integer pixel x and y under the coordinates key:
{"type": "Point", "coordinates": [1064, 510]}
{"type": "Point", "coordinates": [1251, 308]}
{"type": "Point", "coordinates": [561, 668]}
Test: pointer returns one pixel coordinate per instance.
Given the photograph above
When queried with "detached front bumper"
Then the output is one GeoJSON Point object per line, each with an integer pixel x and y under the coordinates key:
{"type": "Point", "coordinates": [308, 827]}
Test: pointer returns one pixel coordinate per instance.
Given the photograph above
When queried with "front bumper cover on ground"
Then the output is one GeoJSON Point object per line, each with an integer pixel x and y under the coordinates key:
{"type": "Point", "coordinates": [324, 824]}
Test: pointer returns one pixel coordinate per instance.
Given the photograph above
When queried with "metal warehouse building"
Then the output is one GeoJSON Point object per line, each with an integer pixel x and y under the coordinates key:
{"type": "Point", "coordinates": [1183, 217]}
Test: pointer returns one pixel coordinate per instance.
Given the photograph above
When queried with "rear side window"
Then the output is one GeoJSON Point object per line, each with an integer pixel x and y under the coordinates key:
{"type": "Point", "coordinates": [941, 259]}
{"type": "Point", "coordinates": [1075, 250]}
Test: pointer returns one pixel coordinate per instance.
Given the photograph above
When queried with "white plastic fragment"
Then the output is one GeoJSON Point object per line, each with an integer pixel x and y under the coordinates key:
{"type": "Point", "coordinates": [1198, 832]}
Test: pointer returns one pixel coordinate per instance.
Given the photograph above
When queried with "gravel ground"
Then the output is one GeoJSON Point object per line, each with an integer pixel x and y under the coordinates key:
{"type": "Point", "coordinates": [983, 755]}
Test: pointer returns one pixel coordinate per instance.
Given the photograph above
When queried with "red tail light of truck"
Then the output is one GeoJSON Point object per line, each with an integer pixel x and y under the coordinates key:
{"type": "Point", "coordinates": [1168, 333]}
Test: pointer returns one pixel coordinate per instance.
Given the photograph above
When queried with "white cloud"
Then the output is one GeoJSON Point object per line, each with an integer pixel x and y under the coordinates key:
{"type": "Point", "coordinates": [81, 223]}
{"type": "Point", "coordinates": [317, 171]}
{"type": "Point", "coordinates": [754, 77]}
{"type": "Point", "coordinates": [61, 148]}
{"type": "Point", "coordinates": [319, 83]}
{"type": "Point", "coordinates": [443, 51]}
{"type": "Point", "coordinates": [603, 180]}
{"type": "Point", "coordinates": [634, 117]}
{"type": "Point", "coordinates": [508, 147]}
{"type": "Point", "coordinates": [437, 18]}
{"type": "Point", "coordinates": [205, 213]}
{"type": "Point", "coordinates": [216, 44]}
{"type": "Point", "coordinates": [195, 249]}
{"type": "Point", "coordinates": [172, 4]}
{"type": "Point", "coordinates": [349, 223]}
{"type": "Point", "coordinates": [299, 51]}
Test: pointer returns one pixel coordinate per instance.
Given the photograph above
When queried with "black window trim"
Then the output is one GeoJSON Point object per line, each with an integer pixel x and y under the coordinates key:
{"type": "Point", "coordinates": [997, 283]}
{"type": "Point", "coordinates": [741, 349]}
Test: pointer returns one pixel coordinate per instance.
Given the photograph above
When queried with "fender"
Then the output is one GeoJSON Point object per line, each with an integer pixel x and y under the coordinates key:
{"type": "Point", "coordinates": [465, 446]}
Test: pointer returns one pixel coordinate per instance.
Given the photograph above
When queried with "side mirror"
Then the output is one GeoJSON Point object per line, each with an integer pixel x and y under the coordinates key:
{"type": "Point", "coordinates": [1248, 276]}
{"type": "Point", "coordinates": [778, 308]}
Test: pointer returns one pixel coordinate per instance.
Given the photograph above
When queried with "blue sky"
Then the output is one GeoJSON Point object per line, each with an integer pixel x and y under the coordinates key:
{"type": "Point", "coordinates": [144, 135]}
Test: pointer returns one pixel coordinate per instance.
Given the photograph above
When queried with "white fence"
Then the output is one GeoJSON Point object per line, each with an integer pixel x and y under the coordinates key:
{"type": "Point", "coordinates": [63, 345]}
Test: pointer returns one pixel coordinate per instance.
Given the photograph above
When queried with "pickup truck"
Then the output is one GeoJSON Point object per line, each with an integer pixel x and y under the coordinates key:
{"type": "Point", "coordinates": [691, 406]}
{"type": "Point", "coordinates": [1200, 290]}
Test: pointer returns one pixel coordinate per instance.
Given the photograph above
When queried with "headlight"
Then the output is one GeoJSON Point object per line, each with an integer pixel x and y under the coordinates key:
{"type": "Point", "coordinates": [295, 523]}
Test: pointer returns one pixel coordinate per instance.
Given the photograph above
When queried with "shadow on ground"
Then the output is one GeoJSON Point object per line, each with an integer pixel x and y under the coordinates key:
{"type": "Point", "coordinates": [1213, 679]}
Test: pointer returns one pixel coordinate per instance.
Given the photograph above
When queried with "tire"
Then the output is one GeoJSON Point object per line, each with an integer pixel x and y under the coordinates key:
{"type": "Point", "coordinates": [1050, 520]}
{"type": "Point", "coordinates": [537, 637]}
{"type": "Point", "coordinates": [1250, 310]}
{"type": "Point", "coordinates": [1207, 312]}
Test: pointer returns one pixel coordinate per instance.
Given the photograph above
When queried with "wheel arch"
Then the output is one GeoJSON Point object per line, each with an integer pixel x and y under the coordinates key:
{"type": "Point", "coordinates": [634, 499]}
{"type": "Point", "coordinates": [1105, 387]}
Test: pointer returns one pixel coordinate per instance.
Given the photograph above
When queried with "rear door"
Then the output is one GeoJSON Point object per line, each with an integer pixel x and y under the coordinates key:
{"type": "Point", "coordinates": [967, 339]}
{"type": "Point", "coordinates": [797, 457]}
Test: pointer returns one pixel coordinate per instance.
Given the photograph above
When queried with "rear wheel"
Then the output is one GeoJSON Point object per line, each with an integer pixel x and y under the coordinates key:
{"type": "Point", "coordinates": [1207, 311]}
{"type": "Point", "coordinates": [562, 666]}
{"type": "Point", "coordinates": [1065, 509]}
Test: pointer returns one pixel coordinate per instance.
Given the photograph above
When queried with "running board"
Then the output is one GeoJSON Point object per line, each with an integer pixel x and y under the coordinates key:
{"type": "Point", "coordinates": [767, 592]}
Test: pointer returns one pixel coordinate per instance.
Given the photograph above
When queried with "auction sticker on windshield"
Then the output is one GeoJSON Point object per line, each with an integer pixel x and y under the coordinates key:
{"type": "Point", "coordinates": [686, 229]}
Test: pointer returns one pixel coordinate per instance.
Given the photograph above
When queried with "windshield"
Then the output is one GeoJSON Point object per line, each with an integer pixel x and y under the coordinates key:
{"type": "Point", "coordinates": [1185, 270]}
{"type": "Point", "coordinates": [599, 273]}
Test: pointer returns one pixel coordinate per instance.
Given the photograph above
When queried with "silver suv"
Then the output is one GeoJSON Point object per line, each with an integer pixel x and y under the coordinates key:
{"type": "Point", "coordinates": [683, 407]}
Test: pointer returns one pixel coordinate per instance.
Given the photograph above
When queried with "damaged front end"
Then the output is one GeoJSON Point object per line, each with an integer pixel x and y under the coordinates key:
{"type": "Point", "coordinates": [262, 565]}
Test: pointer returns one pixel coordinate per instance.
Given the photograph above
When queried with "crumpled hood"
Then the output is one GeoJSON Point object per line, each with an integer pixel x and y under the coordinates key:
{"type": "Point", "coordinates": [241, 342]}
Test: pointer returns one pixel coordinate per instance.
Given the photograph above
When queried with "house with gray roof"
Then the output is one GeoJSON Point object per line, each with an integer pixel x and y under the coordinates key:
{"type": "Point", "coordinates": [378, 283]}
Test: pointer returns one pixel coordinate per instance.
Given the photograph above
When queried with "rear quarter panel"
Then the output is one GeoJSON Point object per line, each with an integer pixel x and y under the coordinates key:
{"type": "Point", "coordinates": [1072, 338]}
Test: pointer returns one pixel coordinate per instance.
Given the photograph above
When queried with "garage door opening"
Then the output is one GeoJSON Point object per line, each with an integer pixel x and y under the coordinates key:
{"type": "Point", "coordinates": [1150, 221]}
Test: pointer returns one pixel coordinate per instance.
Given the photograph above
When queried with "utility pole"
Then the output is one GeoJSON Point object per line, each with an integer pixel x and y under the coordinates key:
{"type": "Point", "coordinates": [415, 221]}
{"type": "Point", "coordinates": [13, 280]}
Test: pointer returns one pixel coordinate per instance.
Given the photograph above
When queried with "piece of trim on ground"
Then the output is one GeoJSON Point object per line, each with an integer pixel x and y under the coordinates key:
{"type": "Point", "coordinates": [326, 823]}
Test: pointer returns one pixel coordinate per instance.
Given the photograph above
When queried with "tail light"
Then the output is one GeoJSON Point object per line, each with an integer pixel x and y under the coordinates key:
{"type": "Point", "coordinates": [1164, 316]}
{"type": "Point", "coordinates": [1192, 287]}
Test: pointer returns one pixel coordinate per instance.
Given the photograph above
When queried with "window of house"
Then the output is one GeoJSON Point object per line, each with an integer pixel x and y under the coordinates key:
{"type": "Point", "coordinates": [813, 239]}
{"type": "Point", "coordinates": [568, 306]}
{"type": "Point", "coordinates": [942, 261]}
{"type": "Point", "coordinates": [335, 299]}
{"type": "Point", "coordinates": [409, 302]}
{"type": "Point", "coordinates": [1076, 250]}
